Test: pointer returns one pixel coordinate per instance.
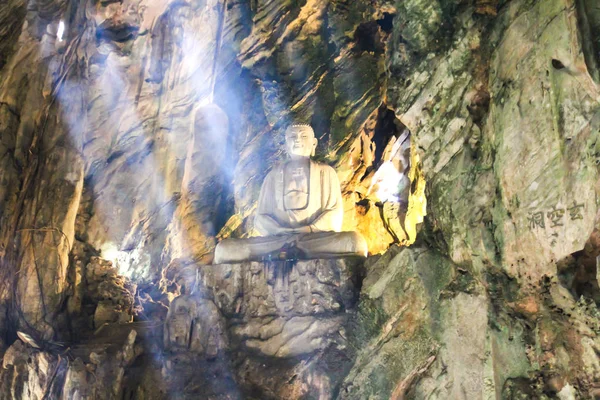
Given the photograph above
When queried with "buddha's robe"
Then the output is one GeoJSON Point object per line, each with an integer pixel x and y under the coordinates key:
{"type": "Point", "coordinates": [323, 212]}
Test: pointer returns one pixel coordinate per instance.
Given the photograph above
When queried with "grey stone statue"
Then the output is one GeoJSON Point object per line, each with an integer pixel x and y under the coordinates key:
{"type": "Point", "coordinates": [300, 210]}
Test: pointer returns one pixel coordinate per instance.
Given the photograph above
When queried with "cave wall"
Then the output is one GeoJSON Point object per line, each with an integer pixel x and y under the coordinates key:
{"type": "Point", "coordinates": [123, 93]}
{"type": "Point", "coordinates": [144, 135]}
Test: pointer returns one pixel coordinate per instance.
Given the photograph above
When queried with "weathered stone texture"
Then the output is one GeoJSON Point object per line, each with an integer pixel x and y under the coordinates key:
{"type": "Point", "coordinates": [97, 372]}
{"type": "Point", "coordinates": [195, 325]}
{"type": "Point", "coordinates": [272, 308]}
{"type": "Point", "coordinates": [544, 115]}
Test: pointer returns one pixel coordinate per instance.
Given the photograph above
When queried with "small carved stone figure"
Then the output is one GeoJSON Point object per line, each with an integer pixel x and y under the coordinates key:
{"type": "Point", "coordinates": [300, 210]}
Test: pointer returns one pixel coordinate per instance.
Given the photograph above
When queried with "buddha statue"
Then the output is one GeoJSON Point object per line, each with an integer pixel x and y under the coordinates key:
{"type": "Point", "coordinates": [300, 211]}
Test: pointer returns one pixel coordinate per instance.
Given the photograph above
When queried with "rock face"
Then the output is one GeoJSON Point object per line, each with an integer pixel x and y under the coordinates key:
{"type": "Point", "coordinates": [195, 325]}
{"type": "Point", "coordinates": [424, 332]}
{"type": "Point", "coordinates": [274, 309]}
{"type": "Point", "coordinates": [97, 372]}
{"type": "Point", "coordinates": [134, 135]}
{"type": "Point", "coordinates": [112, 293]}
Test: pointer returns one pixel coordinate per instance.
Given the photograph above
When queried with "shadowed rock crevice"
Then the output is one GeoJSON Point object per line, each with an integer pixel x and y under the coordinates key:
{"type": "Point", "coordinates": [12, 15]}
{"type": "Point", "coordinates": [166, 34]}
{"type": "Point", "coordinates": [370, 37]}
{"type": "Point", "coordinates": [388, 126]}
{"type": "Point", "coordinates": [579, 271]}
{"type": "Point", "coordinates": [588, 12]}
{"type": "Point", "coordinates": [116, 33]}
{"type": "Point", "coordinates": [387, 22]}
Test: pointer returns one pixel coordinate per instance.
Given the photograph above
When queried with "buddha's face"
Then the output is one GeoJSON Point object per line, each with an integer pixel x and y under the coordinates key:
{"type": "Point", "coordinates": [300, 141]}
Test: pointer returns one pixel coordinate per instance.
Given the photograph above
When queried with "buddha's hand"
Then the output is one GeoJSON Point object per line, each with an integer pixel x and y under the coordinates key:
{"type": "Point", "coordinates": [292, 231]}
{"type": "Point", "coordinates": [302, 229]}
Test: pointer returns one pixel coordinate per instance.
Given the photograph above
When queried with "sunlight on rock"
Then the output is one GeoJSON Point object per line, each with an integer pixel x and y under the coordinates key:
{"type": "Point", "coordinates": [126, 262]}
{"type": "Point", "coordinates": [417, 202]}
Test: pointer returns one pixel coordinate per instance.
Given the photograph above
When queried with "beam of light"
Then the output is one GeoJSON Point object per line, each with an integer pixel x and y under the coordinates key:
{"type": "Point", "coordinates": [146, 173]}
{"type": "Point", "coordinates": [61, 31]}
{"type": "Point", "coordinates": [118, 125]}
{"type": "Point", "coordinates": [118, 121]}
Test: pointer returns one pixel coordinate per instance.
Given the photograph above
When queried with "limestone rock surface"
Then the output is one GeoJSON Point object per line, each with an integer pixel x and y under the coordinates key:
{"type": "Point", "coordinates": [195, 325]}
{"type": "Point", "coordinates": [95, 370]}
{"type": "Point", "coordinates": [275, 309]}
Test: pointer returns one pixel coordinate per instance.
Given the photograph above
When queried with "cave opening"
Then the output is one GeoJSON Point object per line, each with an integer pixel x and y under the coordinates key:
{"type": "Point", "coordinates": [579, 271]}
{"type": "Point", "coordinates": [370, 37]}
{"type": "Point", "coordinates": [388, 126]}
{"type": "Point", "coordinates": [588, 19]}
{"type": "Point", "coordinates": [387, 22]}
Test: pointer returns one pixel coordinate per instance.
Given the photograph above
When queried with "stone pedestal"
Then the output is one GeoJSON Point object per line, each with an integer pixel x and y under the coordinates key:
{"type": "Point", "coordinates": [276, 309]}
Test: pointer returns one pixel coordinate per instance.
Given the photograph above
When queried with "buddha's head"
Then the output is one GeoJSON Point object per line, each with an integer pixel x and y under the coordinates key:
{"type": "Point", "coordinates": [300, 141]}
